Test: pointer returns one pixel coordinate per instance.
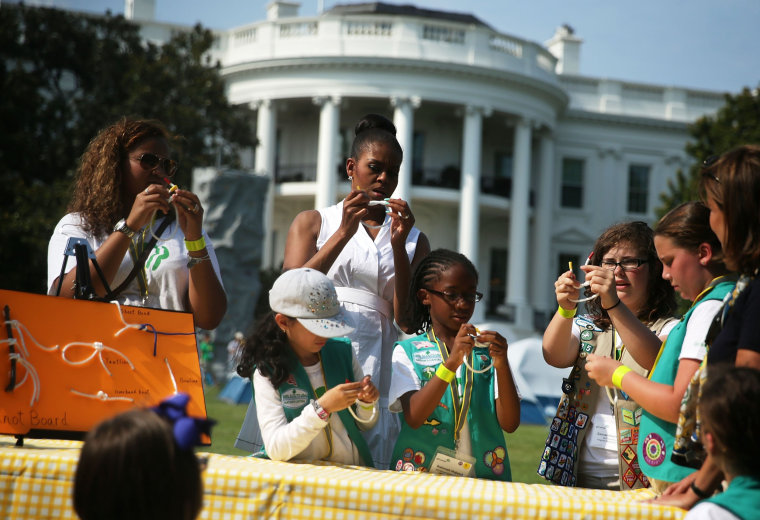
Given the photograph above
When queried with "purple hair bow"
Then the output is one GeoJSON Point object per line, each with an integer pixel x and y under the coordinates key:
{"type": "Point", "coordinates": [187, 430]}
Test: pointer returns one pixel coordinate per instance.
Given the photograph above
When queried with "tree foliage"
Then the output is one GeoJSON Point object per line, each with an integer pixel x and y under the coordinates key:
{"type": "Point", "coordinates": [735, 124]}
{"type": "Point", "coordinates": [63, 77]}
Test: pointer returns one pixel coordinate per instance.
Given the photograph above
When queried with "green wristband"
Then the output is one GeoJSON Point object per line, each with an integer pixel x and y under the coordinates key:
{"type": "Point", "coordinates": [444, 373]}
{"type": "Point", "coordinates": [617, 376]}
{"type": "Point", "coordinates": [566, 313]}
{"type": "Point", "coordinates": [196, 245]}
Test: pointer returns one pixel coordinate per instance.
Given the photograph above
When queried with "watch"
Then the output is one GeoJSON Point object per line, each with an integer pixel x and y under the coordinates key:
{"type": "Point", "coordinates": [124, 228]}
{"type": "Point", "coordinates": [321, 412]}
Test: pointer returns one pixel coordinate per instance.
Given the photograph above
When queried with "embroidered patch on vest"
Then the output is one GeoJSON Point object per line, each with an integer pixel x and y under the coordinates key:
{"type": "Point", "coordinates": [294, 398]}
{"type": "Point", "coordinates": [654, 449]}
{"type": "Point", "coordinates": [427, 358]}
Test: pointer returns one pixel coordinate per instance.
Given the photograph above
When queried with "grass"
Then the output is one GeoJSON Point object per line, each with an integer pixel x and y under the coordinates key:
{"type": "Point", "coordinates": [525, 445]}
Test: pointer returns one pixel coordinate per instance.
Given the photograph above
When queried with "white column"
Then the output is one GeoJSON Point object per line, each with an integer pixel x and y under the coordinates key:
{"type": "Point", "coordinates": [469, 208]}
{"type": "Point", "coordinates": [403, 118]}
{"type": "Point", "coordinates": [329, 119]}
{"type": "Point", "coordinates": [541, 260]}
{"type": "Point", "coordinates": [266, 133]}
{"type": "Point", "coordinates": [613, 185]}
{"type": "Point", "coordinates": [517, 280]}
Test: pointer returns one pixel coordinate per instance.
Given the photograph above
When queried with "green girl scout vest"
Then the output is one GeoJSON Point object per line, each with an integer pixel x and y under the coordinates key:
{"type": "Point", "coordinates": [415, 448]}
{"type": "Point", "coordinates": [569, 427]}
{"type": "Point", "coordinates": [741, 497]}
{"type": "Point", "coordinates": [296, 392]}
{"type": "Point", "coordinates": [657, 435]}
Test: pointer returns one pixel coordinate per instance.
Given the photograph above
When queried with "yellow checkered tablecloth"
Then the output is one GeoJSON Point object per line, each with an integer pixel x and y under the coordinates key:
{"type": "Point", "coordinates": [36, 482]}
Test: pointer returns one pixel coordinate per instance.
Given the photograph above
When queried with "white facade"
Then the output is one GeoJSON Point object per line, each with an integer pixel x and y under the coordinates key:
{"type": "Point", "coordinates": [510, 156]}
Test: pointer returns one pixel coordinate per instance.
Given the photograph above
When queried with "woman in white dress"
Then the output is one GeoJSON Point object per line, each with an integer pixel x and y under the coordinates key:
{"type": "Point", "coordinates": [368, 246]}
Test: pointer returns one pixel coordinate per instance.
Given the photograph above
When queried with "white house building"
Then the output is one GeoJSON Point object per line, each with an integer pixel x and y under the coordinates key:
{"type": "Point", "coordinates": [510, 155]}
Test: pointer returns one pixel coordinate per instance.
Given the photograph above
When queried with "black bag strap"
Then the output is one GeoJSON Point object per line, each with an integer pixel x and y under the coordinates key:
{"type": "Point", "coordinates": [112, 295]}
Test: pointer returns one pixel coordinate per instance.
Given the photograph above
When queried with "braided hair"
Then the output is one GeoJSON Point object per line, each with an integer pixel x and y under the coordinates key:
{"type": "Point", "coordinates": [427, 272]}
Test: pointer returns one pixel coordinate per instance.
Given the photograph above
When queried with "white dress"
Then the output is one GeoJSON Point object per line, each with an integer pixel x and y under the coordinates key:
{"type": "Point", "coordinates": [364, 274]}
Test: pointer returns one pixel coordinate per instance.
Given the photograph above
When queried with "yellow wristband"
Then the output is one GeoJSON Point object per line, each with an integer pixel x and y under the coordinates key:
{"type": "Point", "coordinates": [617, 376]}
{"type": "Point", "coordinates": [196, 245]}
{"type": "Point", "coordinates": [566, 313]}
{"type": "Point", "coordinates": [444, 373]}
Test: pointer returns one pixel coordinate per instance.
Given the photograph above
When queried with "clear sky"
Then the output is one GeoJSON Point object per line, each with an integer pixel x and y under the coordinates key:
{"type": "Point", "coordinates": [702, 44]}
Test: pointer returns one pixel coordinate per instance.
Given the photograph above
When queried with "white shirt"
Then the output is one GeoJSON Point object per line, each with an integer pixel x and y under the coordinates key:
{"type": "Point", "coordinates": [305, 437]}
{"type": "Point", "coordinates": [709, 511]}
{"type": "Point", "coordinates": [165, 268]}
{"type": "Point", "coordinates": [694, 346]}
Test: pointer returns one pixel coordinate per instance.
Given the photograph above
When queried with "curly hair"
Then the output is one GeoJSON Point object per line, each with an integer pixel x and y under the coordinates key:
{"type": "Point", "coordinates": [374, 128]}
{"type": "Point", "coordinates": [688, 226]}
{"type": "Point", "coordinates": [98, 196]}
{"type": "Point", "coordinates": [428, 271]}
{"type": "Point", "coordinates": [661, 299]}
{"type": "Point", "coordinates": [267, 349]}
{"type": "Point", "coordinates": [732, 181]}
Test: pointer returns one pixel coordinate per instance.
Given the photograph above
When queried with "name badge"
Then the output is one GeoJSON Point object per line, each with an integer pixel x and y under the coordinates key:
{"type": "Point", "coordinates": [446, 462]}
{"type": "Point", "coordinates": [603, 433]}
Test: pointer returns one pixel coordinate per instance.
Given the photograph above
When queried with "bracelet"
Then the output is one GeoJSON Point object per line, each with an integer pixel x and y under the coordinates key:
{"type": "Point", "coordinates": [192, 261]}
{"type": "Point", "coordinates": [701, 494]}
{"type": "Point", "coordinates": [196, 245]}
{"type": "Point", "coordinates": [617, 376]}
{"type": "Point", "coordinates": [444, 373]}
{"type": "Point", "coordinates": [566, 313]}
{"type": "Point", "coordinates": [610, 308]}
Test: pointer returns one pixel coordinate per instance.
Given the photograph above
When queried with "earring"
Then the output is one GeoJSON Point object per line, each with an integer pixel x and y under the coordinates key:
{"type": "Point", "coordinates": [350, 178]}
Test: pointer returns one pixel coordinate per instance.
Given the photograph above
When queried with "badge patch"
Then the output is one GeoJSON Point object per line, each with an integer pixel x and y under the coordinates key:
{"type": "Point", "coordinates": [427, 358]}
{"type": "Point", "coordinates": [654, 449]}
{"type": "Point", "coordinates": [422, 344]}
{"type": "Point", "coordinates": [294, 398]}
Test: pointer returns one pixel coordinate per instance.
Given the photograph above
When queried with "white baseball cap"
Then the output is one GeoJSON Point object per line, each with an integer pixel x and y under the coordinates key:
{"type": "Point", "coordinates": [309, 296]}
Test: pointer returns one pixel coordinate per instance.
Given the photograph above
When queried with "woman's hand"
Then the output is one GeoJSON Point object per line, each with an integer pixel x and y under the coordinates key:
{"type": "Point", "coordinates": [402, 221]}
{"type": "Point", "coordinates": [567, 288]}
{"type": "Point", "coordinates": [189, 213]}
{"type": "Point", "coordinates": [602, 282]}
{"type": "Point", "coordinates": [151, 199]}
{"type": "Point", "coordinates": [600, 369]}
{"type": "Point", "coordinates": [340, 397]}
{"type": "Point", "coordinates": [355, 208]}
{"type": "Point", "coordinates": [368, 393]}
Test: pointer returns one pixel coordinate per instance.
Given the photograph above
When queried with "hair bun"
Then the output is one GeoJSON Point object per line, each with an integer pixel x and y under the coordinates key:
{"type": "Point", "coordinates": [371, 121]}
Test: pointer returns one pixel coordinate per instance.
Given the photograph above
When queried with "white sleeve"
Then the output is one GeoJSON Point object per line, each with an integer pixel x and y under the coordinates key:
{"type": "Point", "coordinates": [283, 440]}
{"type": "Point", "coordinates": [69, 226]}
{"type": "Point", "coordinates": [361, 412]}
{"type": "Point", "coordinates": [693, 346]}
{"type": "Point", "coordinates": [403, 378]}
{"type": "Point", "coordinates": [667, 328]}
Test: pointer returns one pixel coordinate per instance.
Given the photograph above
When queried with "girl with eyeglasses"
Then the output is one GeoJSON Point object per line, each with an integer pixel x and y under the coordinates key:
{"type": "Point", "coordinates": [692, 263]}
{"type": "Point", "coordinates": [452, 383]}
{"type": "Point", "coordinates": [592, 439]}
{"type": "Point", "coordinates": [122, 202]}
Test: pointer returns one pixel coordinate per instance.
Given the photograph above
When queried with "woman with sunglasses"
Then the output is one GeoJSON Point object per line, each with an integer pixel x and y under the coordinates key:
{"type": "Point", "coordinates": [122, 196]}
{"type": "Point", "coordinates": [626, 320]}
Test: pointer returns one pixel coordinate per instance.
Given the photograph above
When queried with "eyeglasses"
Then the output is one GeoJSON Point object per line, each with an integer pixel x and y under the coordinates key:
{"type": "Point", "coordinates": [151, 161]}
{"type": "Point", "coordinates": [628, 264]}
{"type": "Point", "coordinates": [453, 297]}
{"type": "Point", "coordinates": [706, 164]}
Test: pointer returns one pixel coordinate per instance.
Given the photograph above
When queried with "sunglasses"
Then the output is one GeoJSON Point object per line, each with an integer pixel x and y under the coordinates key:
{"type": "Point", "coordinates": [151, 161]}
{"type": "Point", "coordinates": [706, 164]}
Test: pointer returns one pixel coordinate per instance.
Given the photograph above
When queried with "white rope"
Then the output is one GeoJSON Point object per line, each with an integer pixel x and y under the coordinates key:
{"type": "Point", "coordinates": [21, 328]}
{"type": "Point", "coordinates": [159, 239]}
{"type": "Point", "coordinates": [101, 396]}
{"type": "Point", "coordinates": [29, 371]}
{"type": "Point", "coordinates": [374, 412]}
{"type": "Point", "coordinates": [126, 325]}
{"type": "Point", "coordinates": [581, 300]}
{"type": "Point", "coordinates": [480, 345]}
{"type": "Point", "coordinates": [171, 373]}
{"type": "Point", "coordinates": [97, 349]}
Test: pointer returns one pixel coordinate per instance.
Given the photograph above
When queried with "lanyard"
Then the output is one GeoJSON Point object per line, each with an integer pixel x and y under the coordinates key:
{"type": "Point", "coordinates": [328, 429]}
{"type": "Point", "coordinates": [463, 388]}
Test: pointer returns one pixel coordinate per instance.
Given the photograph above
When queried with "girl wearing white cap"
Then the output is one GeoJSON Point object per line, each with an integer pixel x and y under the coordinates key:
{"type": "Point", "coordinates": [306, 379]}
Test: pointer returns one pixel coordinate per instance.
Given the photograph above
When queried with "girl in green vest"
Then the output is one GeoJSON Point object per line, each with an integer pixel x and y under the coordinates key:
{"type": "Point", "coordinates": [452, 382]}
{"type": "Point", "coordinates": [730, 412]}
{"type": "Point", "coordinates": [306, 379]}
{"type": "Point", "coordinates": [690, 253]}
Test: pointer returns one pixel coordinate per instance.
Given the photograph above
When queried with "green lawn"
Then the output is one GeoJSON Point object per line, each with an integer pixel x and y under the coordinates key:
{"type": "Point", "coordinates": [525, 445]}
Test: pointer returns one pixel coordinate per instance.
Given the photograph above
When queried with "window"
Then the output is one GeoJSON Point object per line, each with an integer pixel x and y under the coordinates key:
{"type": "Point", "coordinates": [572, 183]}
{"type": "Point", "coordinates": [497, 281]}
{"type": "Point", "coordinates": [638, 188]}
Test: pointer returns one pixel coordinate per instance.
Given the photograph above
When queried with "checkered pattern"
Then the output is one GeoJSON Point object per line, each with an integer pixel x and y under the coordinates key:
{"type": "Point", "coordinates": [36, 482]}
